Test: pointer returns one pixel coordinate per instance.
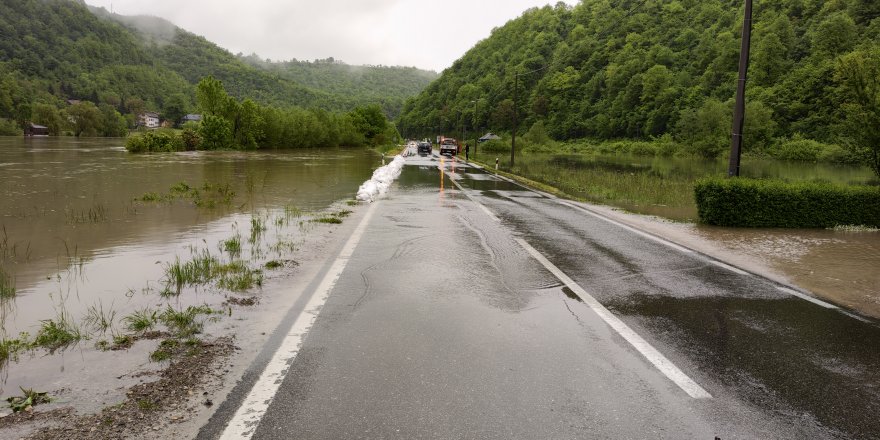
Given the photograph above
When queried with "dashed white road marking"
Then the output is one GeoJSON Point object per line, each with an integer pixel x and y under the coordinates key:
{"type": "Point", "coordinates": [255, 405]}
{"type": "Point", "coordinates": [649, 352]}
{"type": "Point", "coordinates": [468, 195]}
{"type": "Point", "coordinates": [806, 297]}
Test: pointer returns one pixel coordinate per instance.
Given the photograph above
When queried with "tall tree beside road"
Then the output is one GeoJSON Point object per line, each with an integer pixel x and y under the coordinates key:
{"type": "Point", "coordinates": [859, 74]}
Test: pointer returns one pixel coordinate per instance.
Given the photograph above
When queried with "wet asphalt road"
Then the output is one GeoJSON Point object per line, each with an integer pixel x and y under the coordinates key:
{"type": "Point", "coordinates": [443, 326]}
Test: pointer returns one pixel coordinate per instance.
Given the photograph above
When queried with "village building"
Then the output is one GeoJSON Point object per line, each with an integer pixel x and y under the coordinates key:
{"type": "Point", "coordinates": [488, 137]}
{"type": "Point", "coordinates": [191, 118]}
{"type": "Point", "coordinates": [149, 120]}
{"type": "Point", "coordinates": [32, 130]}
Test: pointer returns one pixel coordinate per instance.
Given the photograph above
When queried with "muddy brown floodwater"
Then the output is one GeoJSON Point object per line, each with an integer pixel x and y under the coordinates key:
{"type": "Point", "coordinates": [90, 235]}
{"type": "Point", "coordinates": [837, 265]}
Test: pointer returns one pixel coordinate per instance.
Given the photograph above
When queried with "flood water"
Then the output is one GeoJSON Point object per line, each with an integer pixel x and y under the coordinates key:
{"type": "Point", "coordinates": [79, 239]}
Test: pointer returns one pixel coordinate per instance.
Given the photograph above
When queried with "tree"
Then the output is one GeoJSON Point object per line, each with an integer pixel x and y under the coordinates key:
{"type": "Point", "coordinates": [211, 96]}
{"type": "Point", "coordinates": [48, 116]}
{"type": "Point", "coordinates": [370, 121]}
{"type": "Point", "coordinates": [216, 132]}
{"type": "Point", "coordinates": [706, 130]}
{"type": "Point", "coordinates": [86, 119]}
{"type": "Point", "coordinates": [836, 34]}
{"type": "Point", "coordinates": [858, 74]}
{"type": "Point", "coordinates": [113, 124]}
{"type": "Point", "coordinates": [176, 107]}
{"type": "Point", "coordinates": [502, 117]}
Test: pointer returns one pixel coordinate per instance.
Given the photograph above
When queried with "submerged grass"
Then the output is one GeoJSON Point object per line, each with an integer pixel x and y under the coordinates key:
{"type": "Point", "coordinates": [199, 270]}
{"type": "Point", "coordinates": [237, 276]}
{"type": "Point", "coordinates": [186, 322]}
{"type": "Point", "coordinates": [141, 320]}
{"type": "Point", "coordinates": [99, 320]}
{"type": "Point", "coordinates": [7, 286]}
{"type": "Point", "coordinates": [209, 195]}
{"type": "Point", "coordinates": [232, 246]}
{"type": "Point", "coordinates": [11, 348]}
{"type": "Point", "coordinates": [59, 333]}
{"type": "Point", "coordinates": [328, 220]}
{"type": "Point", "coordinates": [95, 214]}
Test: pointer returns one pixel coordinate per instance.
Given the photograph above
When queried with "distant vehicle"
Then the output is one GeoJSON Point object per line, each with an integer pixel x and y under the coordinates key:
{"type": "Point", "coordinates": [448, 146]}
{"type": "Point", "coordinates": [425, 148]}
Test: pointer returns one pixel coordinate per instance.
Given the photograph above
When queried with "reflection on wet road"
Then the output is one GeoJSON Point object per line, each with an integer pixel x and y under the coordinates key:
{"type": "Point", "coordinates": [444, 326]}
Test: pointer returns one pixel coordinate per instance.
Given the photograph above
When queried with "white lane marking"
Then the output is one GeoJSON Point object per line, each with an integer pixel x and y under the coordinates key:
{"type": "Point", "coordinates": [730, 268]}
{"type": "Point", "coordinates": [806, 297]}
{"type": "Point", "coordinates": [482, 206]}
{"type": "Point", "coordinates": [248, 416]}
{"type": "Point", "coordinates": [628, 228]}
{"type": "Point", "coordinates": [650, 353]}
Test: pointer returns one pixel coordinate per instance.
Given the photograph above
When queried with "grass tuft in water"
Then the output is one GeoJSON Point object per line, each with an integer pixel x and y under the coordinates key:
{"type": "Point", "coordinates": [232, 246]}
{"type": "Point", "coordinates": [99, 320]}
{"type": "Point", "coordinates": [197, 271]}
{"type": "Point", "coordinates": [327, 220]}
{"type": "Point", "coordinates": [352, 202]}
{"type": "Point", "coordinates": [55, 334]}
{"type": "Point", "coordinates": [185, 323]}
{"type": "Point", "coordinates": [7, 286]}
{"type": "Point", "coordinates": [258, 226]}
{"type": "Point", "coordinates": [237, 276]}
{"type": "Point", "coordinates": [11, 348]}
{"type": "Point", "coordinates": [141, 320]}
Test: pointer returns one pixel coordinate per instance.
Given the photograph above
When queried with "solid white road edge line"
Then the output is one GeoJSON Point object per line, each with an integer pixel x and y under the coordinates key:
{"type": "Point", "coordinates": [730, 268]}
{"type": "Point", "coordinates": [806, 297]}
{"type": "Point", "coordinates": [628, 228]}
{"type": "Point", "coordinates": [650, 353]}
{"type": "Point", "coordinates": [251, 411]}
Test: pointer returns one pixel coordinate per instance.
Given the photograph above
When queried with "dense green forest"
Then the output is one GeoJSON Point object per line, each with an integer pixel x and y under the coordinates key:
{"type": "Point", "coordinates": [388, 86]}
{"type": "Point", "coordinates": [245, 125]}
{"type": "Point", "coordinates": [55, 50]}
{"type": "Point", "coordinates": [642, 69]}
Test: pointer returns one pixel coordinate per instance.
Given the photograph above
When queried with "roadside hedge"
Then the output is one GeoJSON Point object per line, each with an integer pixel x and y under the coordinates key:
{"type": "Point", "coordinates": [758, 203]}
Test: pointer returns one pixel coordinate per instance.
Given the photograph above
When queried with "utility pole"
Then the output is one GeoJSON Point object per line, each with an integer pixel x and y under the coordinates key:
{"type": "Point", "coordinates": [513, 138]}
{"type": "Point", "coordinates": [476, 131]}
{"type": "Point", "coordinates": [739, 111]}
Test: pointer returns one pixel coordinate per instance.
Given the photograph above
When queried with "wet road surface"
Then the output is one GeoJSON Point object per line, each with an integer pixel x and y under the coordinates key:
{"type": "Point", "coordinates": [442, 325]}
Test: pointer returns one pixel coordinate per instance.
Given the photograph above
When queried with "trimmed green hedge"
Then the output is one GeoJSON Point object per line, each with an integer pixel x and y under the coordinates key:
{"type": "Point", "coordinates": [775, 204]}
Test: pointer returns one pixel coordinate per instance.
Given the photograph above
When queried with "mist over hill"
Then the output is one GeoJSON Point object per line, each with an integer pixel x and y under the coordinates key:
{"type": "Point", "coordinates": [55, 50]}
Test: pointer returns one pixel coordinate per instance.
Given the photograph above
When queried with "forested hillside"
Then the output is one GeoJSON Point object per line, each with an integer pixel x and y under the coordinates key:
{"type": "Point", "coordinates": [388, 86]}
{"type": "Point", "coordinates": [55, 50]}
{"type": "Point", "coordinates": [644, 68]}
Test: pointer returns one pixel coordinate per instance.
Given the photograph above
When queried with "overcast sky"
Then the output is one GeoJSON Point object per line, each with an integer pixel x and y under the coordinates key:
{"type": "Point", "coordinates": [429, 34]}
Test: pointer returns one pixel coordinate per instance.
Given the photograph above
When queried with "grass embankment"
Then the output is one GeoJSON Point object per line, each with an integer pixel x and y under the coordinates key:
{"type": "Point", "coordinates": [662, 186]}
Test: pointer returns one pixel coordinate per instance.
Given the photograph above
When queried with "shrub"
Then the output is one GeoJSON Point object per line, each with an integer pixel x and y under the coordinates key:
{"type": "Point", "coordinates": [495, 146]}
{"type": "Point", "coordinates": [771, 203]}
{"type": "Point", "coordinates": [154, 141]}
{"type": "Point", "coordinates": [9, 128]}
{"type": "Point", "coordinates": [798, 148]}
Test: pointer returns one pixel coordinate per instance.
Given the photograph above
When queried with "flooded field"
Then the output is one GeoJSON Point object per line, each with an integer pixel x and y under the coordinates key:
{"type": "Point", "coordinates": [99, 247]}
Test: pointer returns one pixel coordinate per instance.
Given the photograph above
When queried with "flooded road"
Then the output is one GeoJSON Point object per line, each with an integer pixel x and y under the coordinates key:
{"type": "Point", "coordinates": [444, 325]}
{"type": "Point", "coordinates": [90, 235]}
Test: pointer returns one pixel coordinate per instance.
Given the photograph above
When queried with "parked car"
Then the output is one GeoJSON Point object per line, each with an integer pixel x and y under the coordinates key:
{"type": "Point", "coordinates": [448, 146]}
{"type": "Point", "coordinates": [425, 148]}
